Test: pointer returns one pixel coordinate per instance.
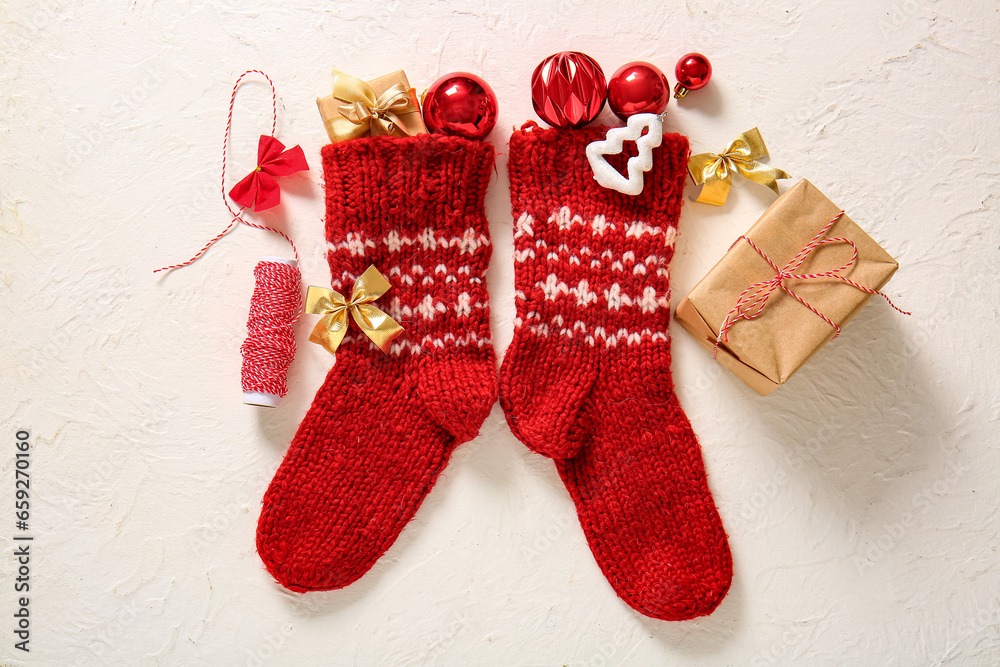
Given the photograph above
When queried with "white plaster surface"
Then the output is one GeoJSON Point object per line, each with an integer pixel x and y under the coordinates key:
{"type": "Point", "coordinates": [861, 499]}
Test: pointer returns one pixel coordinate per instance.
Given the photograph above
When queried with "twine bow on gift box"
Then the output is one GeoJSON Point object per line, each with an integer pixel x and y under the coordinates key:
{"type": "Point", "coordinates": [331, 304]}
{"type": "Point", "coordinates": [363, 112]}
{"type": "Point", "coordinates": [752, 300]}
{"type": "Point", "coordinates": [715, 170]}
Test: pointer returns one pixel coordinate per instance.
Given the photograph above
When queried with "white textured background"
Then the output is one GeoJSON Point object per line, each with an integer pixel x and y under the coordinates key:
{"type": "Point", "coordinates": [861, 499]}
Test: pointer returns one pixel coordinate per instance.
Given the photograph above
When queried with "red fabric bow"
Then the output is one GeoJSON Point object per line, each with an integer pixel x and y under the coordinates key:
{"type": "Point", "coordinates": [260, 189]}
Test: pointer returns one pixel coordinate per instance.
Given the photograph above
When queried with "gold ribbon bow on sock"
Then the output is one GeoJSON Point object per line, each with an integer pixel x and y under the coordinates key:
{"type": "Point", "coordinates": [331, 304]}
{"type": "Point", "coordinates": [715, 171]}
{"type": "Point", "coordinates": [363, 113]}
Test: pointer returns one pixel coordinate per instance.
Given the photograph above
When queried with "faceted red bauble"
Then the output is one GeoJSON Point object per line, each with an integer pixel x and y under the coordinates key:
{"type": "Point", "coordinates": [568, 89]}
{"type": "Point", "coordinates": [638, 87]}
{"type": "Point", "coordinates": [692, 72]}
{"type": "Point", "coordinates": [460, 104]}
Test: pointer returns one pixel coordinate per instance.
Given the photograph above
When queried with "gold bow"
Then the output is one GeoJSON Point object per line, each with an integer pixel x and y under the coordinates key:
{"type": "Point", "coordinates": [363, 113]}
{"type": "Point", "coordinates": [332, 305]}
{"type": "Point", "coordinates": [716, 171]}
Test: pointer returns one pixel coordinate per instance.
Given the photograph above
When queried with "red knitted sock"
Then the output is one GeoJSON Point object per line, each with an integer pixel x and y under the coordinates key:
{"type": "Point", "coordinates": [382, 427]}
{"type": "Point", "coordinates": [587, 379]}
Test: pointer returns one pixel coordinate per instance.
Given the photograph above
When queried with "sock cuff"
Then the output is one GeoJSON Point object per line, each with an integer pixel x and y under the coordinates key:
{"type": "Point", "coordinates": [549, 170]}
{"type": "Point", "coordinates": [379, 185]}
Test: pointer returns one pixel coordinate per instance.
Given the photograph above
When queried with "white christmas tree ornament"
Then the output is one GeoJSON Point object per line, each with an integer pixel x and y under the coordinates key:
{"type": "Point", "coordinates": [612, 144]}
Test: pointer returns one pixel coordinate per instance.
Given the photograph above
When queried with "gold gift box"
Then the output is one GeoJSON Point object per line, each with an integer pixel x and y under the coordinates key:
{"type": "Point", "coordinates": [329, 106]}
{"type": "Point", "coordinates": [764, 352]}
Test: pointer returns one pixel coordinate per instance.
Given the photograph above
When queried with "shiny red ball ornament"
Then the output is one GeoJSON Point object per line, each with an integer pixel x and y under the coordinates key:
{"type": "Point", "coordinates": [568, 89]}
{"type": "Point", "coordinates": [638, 87]}
{"type": "Point", "coordinates": [460, 104]}
{"type": "Point", "coordinates": [692, 72]}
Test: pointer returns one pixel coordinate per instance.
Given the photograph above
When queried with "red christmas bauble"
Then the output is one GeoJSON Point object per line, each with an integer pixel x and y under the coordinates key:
{"type": "Point", "coordinates": [638, 87]}
{"type": "Point", "coordinates": [568, 89]}
{"type": "Point", "coordinates": [692, 72]}
{"type": "Point", "coordinates": [460, 104]}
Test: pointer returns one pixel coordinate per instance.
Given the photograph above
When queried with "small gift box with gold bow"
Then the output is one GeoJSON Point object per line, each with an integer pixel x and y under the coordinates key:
{"type": "Point", "coordinates": [384, 105]}
{"type": "Point", "coordinates": [785, 288]}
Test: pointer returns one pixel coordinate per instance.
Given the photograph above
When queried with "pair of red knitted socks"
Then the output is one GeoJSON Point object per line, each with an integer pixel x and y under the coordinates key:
{"type": "Point", "coordinates": [586, 380]}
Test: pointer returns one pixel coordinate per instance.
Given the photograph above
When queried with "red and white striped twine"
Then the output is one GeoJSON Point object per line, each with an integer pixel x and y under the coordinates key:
{"type": "Point", "coordinates": [752, 300]}
{"type": "Point", "coordinates": [270, 345]}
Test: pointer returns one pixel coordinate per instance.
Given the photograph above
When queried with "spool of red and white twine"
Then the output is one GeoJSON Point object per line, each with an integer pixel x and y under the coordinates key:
{"type": "Point", "coordinates": [276, 303]}
{"type": "Point", "coordinates": [270, 344]}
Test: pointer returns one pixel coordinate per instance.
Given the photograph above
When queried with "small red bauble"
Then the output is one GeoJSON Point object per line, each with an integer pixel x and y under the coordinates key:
{"type": "Point", "coordinates": [638, 87]}
{"type": "Point", "coordinates": [692, 72]}
{"type": "Point", "coordinates": [460, 104]}
{"type": "Point", "coordinates": [568, 89]}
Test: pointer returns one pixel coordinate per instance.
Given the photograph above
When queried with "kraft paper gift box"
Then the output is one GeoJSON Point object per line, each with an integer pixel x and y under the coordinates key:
{"type": "Point", "coordinates": [764, 352]}
{"type": "Point", "coordinates": [412, 122]}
